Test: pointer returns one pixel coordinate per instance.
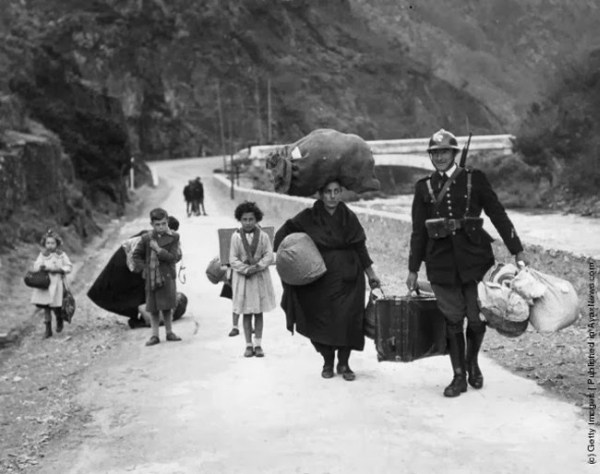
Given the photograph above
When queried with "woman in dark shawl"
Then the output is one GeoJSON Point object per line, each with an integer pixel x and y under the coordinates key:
{"type": "Point", "coordinates": [120, 290]}
{"type": "Point", "coordinates": [330, 311]}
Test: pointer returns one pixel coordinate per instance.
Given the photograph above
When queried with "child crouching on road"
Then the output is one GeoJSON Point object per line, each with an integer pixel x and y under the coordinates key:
{"type": "Point", "coordinates": [156, 254]}
{"type": "Point", "coordinates": [250, 255]}
{"type": "Point", "coordinates": [55, 261]}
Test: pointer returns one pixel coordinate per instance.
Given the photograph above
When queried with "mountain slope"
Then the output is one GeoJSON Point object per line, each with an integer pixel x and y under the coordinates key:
{"type": "Point", "coordinates": [505, 53]}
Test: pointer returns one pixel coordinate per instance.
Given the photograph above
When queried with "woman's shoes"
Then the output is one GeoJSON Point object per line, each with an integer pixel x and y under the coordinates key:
{"type": "Point", "coordinates": [153, 341]}
{"type": "Point", "coordinates": [346, 372]}
{"type": "Point", "coordinates": [258, 352]}
{"type": "Point", "coordinates": [173, 337]}
{"type": "Point", "coordinates": [327, 371]}
{"type": "Point", "coordinates": [234, 332]}
{"type": "Point", "coordinates": [249, 352]}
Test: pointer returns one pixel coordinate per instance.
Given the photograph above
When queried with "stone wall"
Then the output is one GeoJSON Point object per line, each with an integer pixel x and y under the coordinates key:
{"type": "Point", "coordinates": [391, 232]}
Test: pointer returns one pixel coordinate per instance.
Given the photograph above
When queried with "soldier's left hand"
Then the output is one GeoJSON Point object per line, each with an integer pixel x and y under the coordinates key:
{"type": "Point", "coordinates": [521, 259]}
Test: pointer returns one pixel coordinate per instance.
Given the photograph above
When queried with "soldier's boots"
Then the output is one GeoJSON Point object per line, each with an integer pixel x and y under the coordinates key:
{"type": "Point", "coordinates": [456, 387]}
{"type": "Point", "coordinates": [59, 323]}
{"type": "Point", "coordinates": [474, 340]}
{"type": "Point", "coordinates": [456, 348]}
{"type": "Point", "coordinates": [475, 376]}
{"type": "Point", "coordinates": [48, 332]}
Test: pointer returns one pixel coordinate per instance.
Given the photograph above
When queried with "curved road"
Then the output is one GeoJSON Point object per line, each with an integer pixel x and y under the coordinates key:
{"type": "Point", "coordinates": [198, 406]}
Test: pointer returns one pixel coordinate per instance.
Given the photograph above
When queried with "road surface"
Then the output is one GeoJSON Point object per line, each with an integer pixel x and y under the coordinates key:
{"type": "Point", "coordinates": [199, 406]}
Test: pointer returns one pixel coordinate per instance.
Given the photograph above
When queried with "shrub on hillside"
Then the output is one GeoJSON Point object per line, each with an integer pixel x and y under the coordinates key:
{"type": "Point", "coordinates": [560, 135]}
{"type": "Point", "coordinates": [517, 184]}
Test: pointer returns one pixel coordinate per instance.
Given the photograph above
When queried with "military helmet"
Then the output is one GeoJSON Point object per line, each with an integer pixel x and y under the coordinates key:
{"type": "Point", "coordinates": [442, 140]}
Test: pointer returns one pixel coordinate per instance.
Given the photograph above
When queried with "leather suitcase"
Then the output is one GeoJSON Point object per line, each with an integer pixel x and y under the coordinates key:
{"type": "Point", "coordinates": [409, 328]}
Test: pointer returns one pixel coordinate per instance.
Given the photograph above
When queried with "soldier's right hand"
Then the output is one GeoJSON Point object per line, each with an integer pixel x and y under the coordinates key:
{"type": "Point", "coordinates": [411, 281]}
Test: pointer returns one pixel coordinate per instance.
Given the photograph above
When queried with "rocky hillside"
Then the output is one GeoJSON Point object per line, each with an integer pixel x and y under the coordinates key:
{"type": "Point", "coordinates": [505, 53]}
{"type": "Point", "coordinates": [535, 64]}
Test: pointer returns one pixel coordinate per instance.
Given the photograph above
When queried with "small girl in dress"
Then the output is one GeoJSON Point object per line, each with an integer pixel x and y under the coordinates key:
{"type": "Point", "coordinates": [55, 261]}
{"type": "Point", "coordinates": [250, 256]}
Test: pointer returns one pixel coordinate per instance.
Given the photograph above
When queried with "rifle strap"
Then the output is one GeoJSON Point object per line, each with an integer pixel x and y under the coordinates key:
{"type": "Point", "coordinates": [469, 189]}
{"type": "Point", "coordinates": [437, 200]}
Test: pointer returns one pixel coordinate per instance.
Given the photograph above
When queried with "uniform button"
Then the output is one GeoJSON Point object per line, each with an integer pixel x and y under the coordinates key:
{"type": "Point", "coordinates": [450, 214]}
{"type": "Point", "coordinates": [453, 233]}
{"type": "Point", "coordinates": [465, 195]}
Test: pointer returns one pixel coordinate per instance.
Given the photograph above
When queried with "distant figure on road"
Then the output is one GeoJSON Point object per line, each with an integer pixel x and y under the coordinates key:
{"type": "Point", "coordinates": [250, 255]}
{"type": "Point", "coordinates": [331, 310]}
{"type": "Point", "coordinates": [448, 235]}
{"type": "Point", "coordinates": [198, 196]}
{"type": "Point", "coordinates": [156, 254]}
{"type": "Point", "coordinates": [188, 197]}
{"type": "Point", "coordinates": [53, 260]}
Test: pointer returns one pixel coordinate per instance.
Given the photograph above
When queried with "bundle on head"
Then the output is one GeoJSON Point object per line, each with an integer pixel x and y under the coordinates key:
{"type": "Point", "coordinates": [304, 167]}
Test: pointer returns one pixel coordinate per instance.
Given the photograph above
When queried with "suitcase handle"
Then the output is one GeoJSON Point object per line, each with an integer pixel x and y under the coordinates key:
{"type": "Point", "coordinates": [373, 297]}
{"type": "Point", "coordinates": [417, 292]}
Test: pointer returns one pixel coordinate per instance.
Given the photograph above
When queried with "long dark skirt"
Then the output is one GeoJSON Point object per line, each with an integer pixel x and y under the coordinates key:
{"type": "Point", "coordinates": [117, 289]}
{"type": "Point", "coordinates": [330, 310]}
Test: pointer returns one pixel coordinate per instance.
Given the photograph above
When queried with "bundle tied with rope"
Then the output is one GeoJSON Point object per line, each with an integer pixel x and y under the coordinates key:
{"type": "Point", "coordinates": [324, 155]}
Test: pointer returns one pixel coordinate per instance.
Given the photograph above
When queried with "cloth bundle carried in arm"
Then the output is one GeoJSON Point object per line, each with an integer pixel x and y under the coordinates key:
{"type": "Point", "coordinates": [299, 261]}
{"type": "Point", "coordinates": [156, 278]}
{"type": "Point", "coordinates": [304, 167]}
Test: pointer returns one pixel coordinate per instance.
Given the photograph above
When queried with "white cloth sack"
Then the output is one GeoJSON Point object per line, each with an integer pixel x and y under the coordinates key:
{"type": "Point", "coordinates": [501, 301]}
{"type": "Point", "coordinates": [500, 272]}
{"type": "Point", "coordinates": [528, 286]}
{"type": "Point", "coordinates": [129, 246]}
{"type": "Point", "coordinates": [299, 261]}
{"type": "Point", "coordinates": [557, 308]}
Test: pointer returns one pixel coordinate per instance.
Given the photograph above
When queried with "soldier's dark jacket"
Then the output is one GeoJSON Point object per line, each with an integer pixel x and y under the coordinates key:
{"type": "Point", "coordinates": [458, 258]}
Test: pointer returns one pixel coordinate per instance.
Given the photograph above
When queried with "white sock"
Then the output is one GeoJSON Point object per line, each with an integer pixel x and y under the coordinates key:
{"type": "Point", "coordinates": [257, 341]}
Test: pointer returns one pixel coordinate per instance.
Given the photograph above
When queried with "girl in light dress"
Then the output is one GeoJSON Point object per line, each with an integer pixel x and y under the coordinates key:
{"type": "Point", "coordinates": [250, 256]}
{"type": "Point", "coordinates": [55, 261]}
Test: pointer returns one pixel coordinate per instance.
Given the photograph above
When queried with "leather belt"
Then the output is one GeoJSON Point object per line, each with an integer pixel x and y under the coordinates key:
{"type": "Point", "coordinates": [454, 224]}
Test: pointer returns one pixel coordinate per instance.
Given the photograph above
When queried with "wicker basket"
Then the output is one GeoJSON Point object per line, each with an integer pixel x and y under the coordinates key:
{"type": "Point", "coordinates": [504, 326]}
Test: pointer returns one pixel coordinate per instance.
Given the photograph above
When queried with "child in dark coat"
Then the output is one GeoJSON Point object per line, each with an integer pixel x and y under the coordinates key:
{"type": "Point", "coordinates": [157, 253]}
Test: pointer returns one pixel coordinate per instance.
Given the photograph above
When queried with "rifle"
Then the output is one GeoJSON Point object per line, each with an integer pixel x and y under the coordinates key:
{"type": "Point", "coordinates": [465, 151]}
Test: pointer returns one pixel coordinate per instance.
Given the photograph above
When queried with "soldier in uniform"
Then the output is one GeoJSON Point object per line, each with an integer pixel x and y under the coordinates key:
{"type": "Point", "coordinates": [448, 236]}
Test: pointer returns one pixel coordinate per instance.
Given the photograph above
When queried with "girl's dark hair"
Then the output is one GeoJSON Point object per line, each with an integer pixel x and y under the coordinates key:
{"type": "Point", "coordinates": [248, 206]}
{"type": "Point", "coordinates": [173, 223]}
{"type": "Point", "coordinates": [50, 233]}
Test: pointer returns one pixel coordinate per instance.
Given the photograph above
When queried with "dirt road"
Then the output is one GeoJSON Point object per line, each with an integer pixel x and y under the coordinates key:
{"type": "Point", "coordinates": [198, 406]}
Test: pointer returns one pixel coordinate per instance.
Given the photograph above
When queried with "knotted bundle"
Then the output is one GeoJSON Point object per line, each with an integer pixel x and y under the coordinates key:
{"type": "Point", "coordinates": [299, 261]}
{"type": "Point", "coordinates": [324, 155]}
